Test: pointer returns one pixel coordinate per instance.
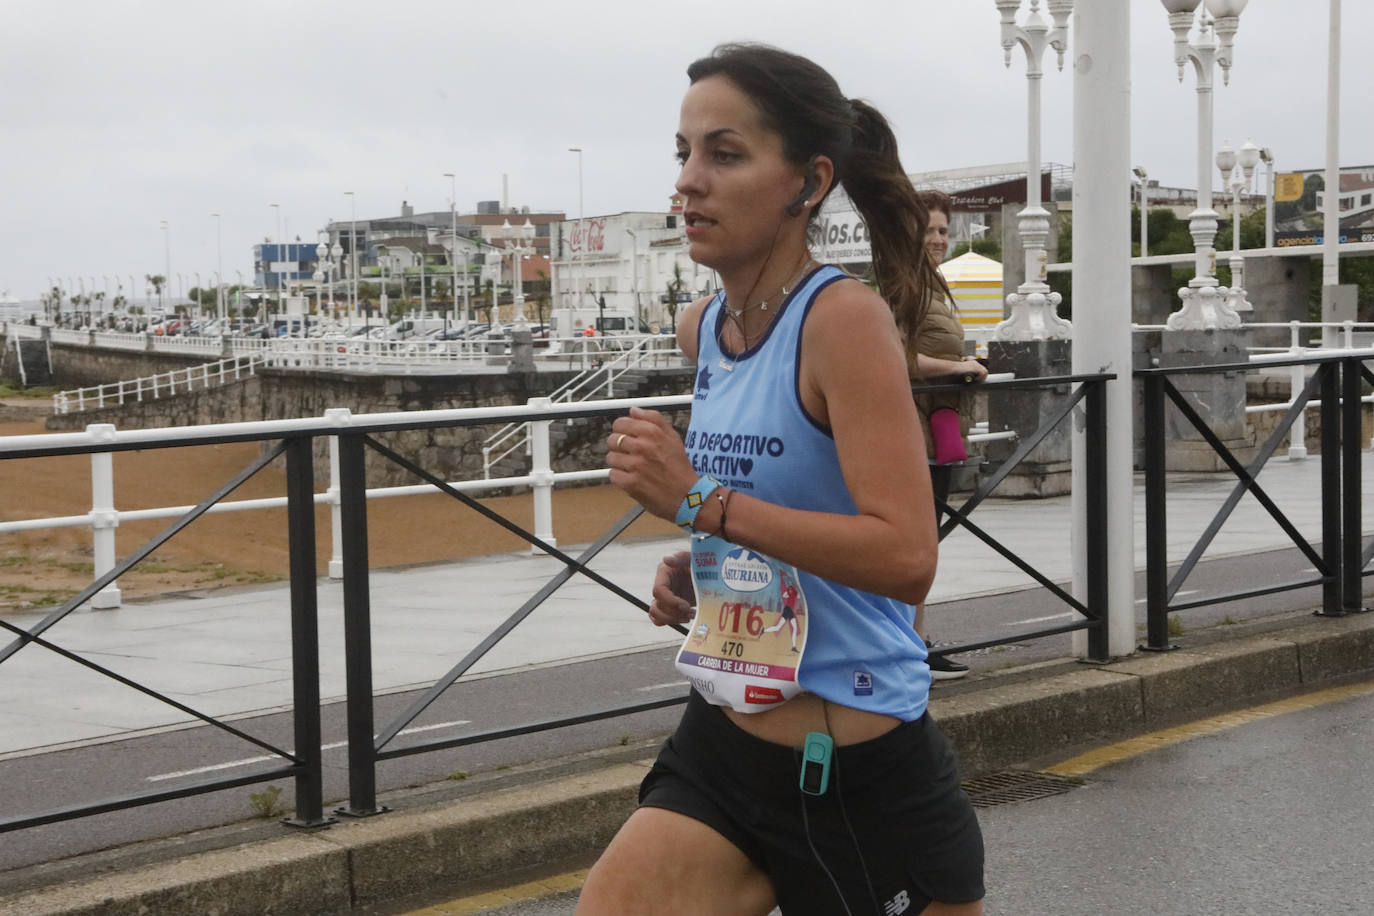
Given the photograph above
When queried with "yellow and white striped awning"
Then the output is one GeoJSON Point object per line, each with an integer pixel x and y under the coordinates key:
{"type": "Point", "coordinates": [976, 283]}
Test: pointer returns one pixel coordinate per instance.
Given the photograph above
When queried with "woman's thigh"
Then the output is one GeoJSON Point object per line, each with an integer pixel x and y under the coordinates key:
{"type": "Point", "coordinates": [662, 862]}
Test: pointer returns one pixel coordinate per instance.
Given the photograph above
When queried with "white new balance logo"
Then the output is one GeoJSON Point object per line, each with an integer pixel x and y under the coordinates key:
{"type": "Point", "coordinates": [898, 904]}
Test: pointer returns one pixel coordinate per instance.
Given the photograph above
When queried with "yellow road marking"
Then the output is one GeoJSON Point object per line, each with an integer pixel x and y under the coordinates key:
{"type": "Point", "coordinates": [1114, 753]}
{"type": "Point", "coordinates": [481, 903]}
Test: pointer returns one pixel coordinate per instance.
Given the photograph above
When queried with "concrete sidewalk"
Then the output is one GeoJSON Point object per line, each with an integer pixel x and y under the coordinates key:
{"type": "Point", "coordinates": [227, 652]}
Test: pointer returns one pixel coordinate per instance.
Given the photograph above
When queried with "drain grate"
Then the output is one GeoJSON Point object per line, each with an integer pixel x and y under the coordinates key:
{"type": "Point", "coordinates": [1016, 785]}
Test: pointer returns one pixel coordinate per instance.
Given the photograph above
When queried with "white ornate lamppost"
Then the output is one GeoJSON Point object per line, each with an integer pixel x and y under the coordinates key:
{"type": "Point", "coordinates": [1033, 306]}
{"type": "Point", "coordinates": [1267, 157]}
{"type": "Point", "coordinates": [1204, 302]}
{"type": "Point", "coordinates": [519, 242]}
{"type": "Point", "coordinates": [318, 276]}
{"type": "Point", "coordinates": [1140, 173]}
{"type": "Point", "coordinates": [453, 233]}
{"type": "Point", "coordinates": [352, 252]}
{"type": "Point", "coordinates": [326, 267]}
{"type": "Point", "coordinates": [1237, 173]}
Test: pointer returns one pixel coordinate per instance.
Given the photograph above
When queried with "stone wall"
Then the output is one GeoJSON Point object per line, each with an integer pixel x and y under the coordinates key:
{"type": "Point", "coordinates": [84, 366]}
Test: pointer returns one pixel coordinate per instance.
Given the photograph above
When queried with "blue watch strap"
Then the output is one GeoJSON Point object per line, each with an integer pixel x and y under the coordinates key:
{"type": "Point", "coordinates": [694, 500]}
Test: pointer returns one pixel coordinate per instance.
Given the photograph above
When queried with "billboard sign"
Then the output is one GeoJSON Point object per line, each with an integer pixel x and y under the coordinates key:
{"type": "Point", "coordinates": [1300, 197]}
{"type": "Point", "coordinates": [994, 196]}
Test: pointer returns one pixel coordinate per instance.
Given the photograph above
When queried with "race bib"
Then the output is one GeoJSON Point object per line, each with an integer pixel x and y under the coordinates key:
{"type": "Point", "coordinates": [747, 640]}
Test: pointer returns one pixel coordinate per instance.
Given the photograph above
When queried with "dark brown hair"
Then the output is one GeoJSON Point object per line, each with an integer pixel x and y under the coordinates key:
{"type": "Point", "coordinates": [803, 104]}
{"type": "Point", "coordinates": [937, 200]}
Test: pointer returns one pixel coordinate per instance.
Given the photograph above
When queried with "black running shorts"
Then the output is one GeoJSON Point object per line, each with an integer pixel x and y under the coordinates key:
{"type": "Point", "coordinates": [893, 832]}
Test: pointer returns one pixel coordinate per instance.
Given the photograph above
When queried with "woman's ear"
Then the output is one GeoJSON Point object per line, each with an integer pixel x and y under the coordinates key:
{"type": "Point", "coordinates": [822, 171]}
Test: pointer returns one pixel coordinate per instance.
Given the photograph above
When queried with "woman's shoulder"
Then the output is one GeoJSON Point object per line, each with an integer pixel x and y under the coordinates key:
{"type": "Point", "coordinates": [847, 300]}
{"type": "Point", "coordinates": [689, 322]}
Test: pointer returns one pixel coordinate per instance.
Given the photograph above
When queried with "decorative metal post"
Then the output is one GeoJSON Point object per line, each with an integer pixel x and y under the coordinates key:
{"type": "Point", "coordinates": [1204, 302]}
{"type": "Point", "coordinates": [1033, 306]}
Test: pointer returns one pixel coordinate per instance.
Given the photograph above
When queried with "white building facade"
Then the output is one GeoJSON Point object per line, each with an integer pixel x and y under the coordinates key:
{"type": "Point", "coordinates": [629, 258]}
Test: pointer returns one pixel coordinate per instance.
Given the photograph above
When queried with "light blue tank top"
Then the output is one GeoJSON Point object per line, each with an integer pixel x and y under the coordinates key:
{"type": "Point", "coordinates": [750, 431]}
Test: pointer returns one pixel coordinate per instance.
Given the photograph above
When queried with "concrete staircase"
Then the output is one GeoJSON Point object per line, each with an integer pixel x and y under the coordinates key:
{"type": "Point", "coordinates": [566, 436]}
{"type": "Point", "coordinates": [34, 363]}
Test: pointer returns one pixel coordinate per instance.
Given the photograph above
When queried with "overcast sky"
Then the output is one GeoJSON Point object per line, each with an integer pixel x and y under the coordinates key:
{"type": "Point", "coordinates": [119, 115]}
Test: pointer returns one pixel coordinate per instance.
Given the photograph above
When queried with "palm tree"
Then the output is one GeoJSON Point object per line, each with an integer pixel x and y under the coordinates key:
{"type": "Point", "coordinates": [157, 281]}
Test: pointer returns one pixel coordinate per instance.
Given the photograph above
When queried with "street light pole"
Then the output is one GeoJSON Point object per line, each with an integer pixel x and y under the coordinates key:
{"type": "Point", "coordinates": [335, 262]}
{"type": "Point", "coordinates": [323, 267]}
{"type": "Point", "coordinates": [1034, 308]}
{"type": "Point", "coordinates": [1204, 303]}
{"type": "Point", "coordinates": [453, 253]}
{"type": "Point", "coordinates": [219, 267]}
{"type": "Point", "coordinates": [276, 250]}
{"type": "Point", "coordinates": [1331, 213]}
{"type": "Point", "coordinates": [581, 224]}
{"type": "Point", "coordinates": [634, 274]}
{"type": "Point", "coordinates": [423, 310]}
{"type": "Point", "coordinates": [353, 248]}
{"type": "Point", "coordinates": [167, 264]}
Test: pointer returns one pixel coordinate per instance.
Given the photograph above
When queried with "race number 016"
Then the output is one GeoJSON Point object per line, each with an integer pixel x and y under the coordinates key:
{"type": "Point", "coordinates": [730, 618]}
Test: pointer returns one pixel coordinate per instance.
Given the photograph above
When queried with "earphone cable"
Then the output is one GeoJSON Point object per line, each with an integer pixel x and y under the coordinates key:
{"type": "Point", "coordinates": [806, 829]}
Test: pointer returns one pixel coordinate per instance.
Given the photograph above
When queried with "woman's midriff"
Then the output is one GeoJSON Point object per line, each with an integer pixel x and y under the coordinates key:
{"type": "Point", "coordinates": [789, 723]}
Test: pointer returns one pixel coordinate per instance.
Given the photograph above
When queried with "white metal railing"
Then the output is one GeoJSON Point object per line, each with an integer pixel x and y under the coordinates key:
{"type": "Point", "coordinates": [1297, 375]}
{"type": "Point", "coordinates": [104, 518]}
{"type": "Point", "coordinates": [21, 331]}
{"type": "Point", "coordinates": [121, 340]}
{"type": "Point", "coordinates": [164, 384]}
{"type": "Point", "coordinates": [1285, 251]}
{"type": "Point", "coordinates": [357, 354]}
{"type": "Point", "coordinates": [597, 377]}
{"type": "Point", "coordinates": [70, 336]}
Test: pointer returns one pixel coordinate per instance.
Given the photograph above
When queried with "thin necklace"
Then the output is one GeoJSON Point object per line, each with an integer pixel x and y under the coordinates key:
{"type": "Point", "coordinates": [762, 304]}
{"type": "Point", "coordinates": [737, 315]}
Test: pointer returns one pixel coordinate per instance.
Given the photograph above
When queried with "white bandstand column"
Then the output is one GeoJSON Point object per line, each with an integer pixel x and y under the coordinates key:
{"type": "Point", "coordinates": [1102, 292]}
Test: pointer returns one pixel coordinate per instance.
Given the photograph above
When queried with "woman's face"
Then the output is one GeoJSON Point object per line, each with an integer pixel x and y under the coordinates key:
{"type": "Point", "coordinates": [736, 184]}
{"type": "Point", "coordinates": [937, 235]}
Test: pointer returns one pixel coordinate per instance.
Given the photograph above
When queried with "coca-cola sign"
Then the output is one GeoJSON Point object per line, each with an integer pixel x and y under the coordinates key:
{"type": "Point", "coordinates": [587, 236]}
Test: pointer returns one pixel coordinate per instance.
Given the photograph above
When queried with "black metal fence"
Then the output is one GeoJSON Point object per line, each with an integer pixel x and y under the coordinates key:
{"type": "Point", "coordinates": [369, 745]}
{"type": "Point", "coordinates": [1342, 557]}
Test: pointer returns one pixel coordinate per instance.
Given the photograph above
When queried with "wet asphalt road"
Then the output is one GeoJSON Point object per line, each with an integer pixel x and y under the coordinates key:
{"type": "Point", "coordinates": [1273, 817]}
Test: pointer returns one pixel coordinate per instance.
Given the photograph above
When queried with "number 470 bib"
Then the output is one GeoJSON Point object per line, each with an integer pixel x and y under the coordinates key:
{"type": "Point", "coordinates": [747, 640]}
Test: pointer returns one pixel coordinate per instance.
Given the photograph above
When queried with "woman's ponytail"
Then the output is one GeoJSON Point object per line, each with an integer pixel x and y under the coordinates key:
{"type": "Point", "coordinates": [896, 217]}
